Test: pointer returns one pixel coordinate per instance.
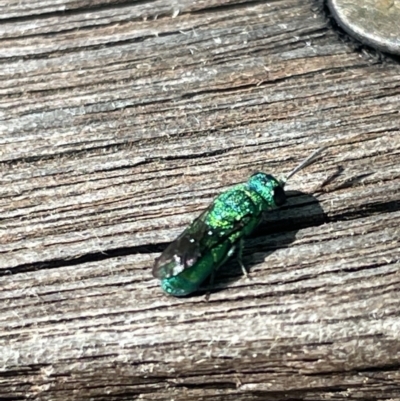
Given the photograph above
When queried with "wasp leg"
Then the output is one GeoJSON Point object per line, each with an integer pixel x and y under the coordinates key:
{"type": "Point", "coordinates": [239, 258]}
{"type": "Point", "coordinates": [209, 286]}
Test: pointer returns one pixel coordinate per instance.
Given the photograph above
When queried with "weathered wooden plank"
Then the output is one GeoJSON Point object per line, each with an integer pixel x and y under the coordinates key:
{"type": "Point", "coordinates": [57, 214]}
{"type": "Point", "coordinates": [119, 123]}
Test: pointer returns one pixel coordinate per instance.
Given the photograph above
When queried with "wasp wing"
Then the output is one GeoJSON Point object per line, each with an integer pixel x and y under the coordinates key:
{"type": "Point", "coordinates": [184, 251]}
{"type": "Point", "coordinates": [191, 245]}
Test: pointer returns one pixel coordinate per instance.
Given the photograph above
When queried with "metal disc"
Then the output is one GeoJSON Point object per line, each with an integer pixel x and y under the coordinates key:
{"type": "Point", "coordinates": [373, 22]}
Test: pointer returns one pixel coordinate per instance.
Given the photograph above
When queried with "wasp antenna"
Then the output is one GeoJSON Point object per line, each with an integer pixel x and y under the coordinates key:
{"type": "Point", "coordinates": [310, 159]}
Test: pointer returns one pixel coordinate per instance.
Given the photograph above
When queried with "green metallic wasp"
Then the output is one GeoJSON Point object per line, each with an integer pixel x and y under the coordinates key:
{"type": "Point", "coordinates": [214, 236]}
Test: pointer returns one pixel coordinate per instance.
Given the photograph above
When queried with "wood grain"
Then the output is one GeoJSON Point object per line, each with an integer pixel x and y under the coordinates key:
{"type": "Point", "coordinates": [120, 121]}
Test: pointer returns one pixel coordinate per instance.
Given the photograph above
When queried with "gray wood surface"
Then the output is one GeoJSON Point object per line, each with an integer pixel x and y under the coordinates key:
{"type": "Point", "coordinates": [119, 123]}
